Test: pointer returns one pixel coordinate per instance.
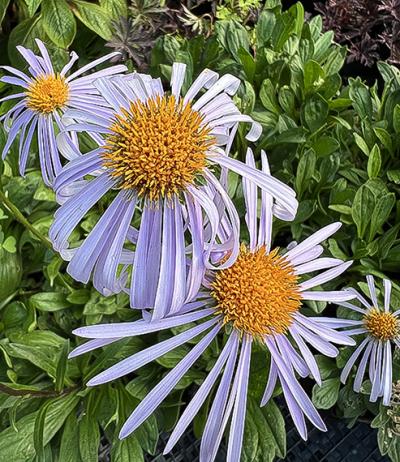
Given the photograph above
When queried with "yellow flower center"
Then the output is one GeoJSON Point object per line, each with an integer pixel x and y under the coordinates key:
{"type": "Point", "coordinates": [157, 147]}
{"type": "Point", "coordinates": [259, 293]}
{"type": "Point", "coordinates": [47, 93]}
{"type": "Point", "coordinates": [381, 325]}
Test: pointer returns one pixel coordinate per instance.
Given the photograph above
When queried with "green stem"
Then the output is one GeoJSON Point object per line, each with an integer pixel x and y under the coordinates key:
{"type": "Point", "coordinates": [20, 217]}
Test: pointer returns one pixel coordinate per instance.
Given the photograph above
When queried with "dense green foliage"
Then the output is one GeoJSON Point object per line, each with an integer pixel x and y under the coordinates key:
{"type": "Point", "coordinates": [335, 142]}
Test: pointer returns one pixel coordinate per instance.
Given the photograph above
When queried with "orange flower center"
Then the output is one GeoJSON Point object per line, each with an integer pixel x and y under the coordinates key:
{"type": "Point", "coordinates": [259, 293]}
{"type": "Point", "coordinates": [47, 93]}
{"type": "Point", "coordinates": [158, 147]}
{"type": "Point", "coordinates": [381, 325]}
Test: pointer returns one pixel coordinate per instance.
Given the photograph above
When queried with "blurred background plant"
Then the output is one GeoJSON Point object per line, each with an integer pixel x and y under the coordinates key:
{"type": "Point", "coordinates": [334, 139]}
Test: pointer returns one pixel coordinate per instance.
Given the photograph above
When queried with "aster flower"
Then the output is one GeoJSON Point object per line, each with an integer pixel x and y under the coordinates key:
{"type": "Point", "coordinates": [44, 98]}
{"type": "Point", "coordinates": [159, 153]}
{"type": "Point", "coordinates": [257, 299]}
{"type": "Point", "coordinates": [379, 327]}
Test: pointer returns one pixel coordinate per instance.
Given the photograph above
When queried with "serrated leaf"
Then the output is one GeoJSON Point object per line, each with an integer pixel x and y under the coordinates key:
{"type": "Point", "coordinates": [58, 22]}
{"type": "Point", "coordinates": [117, 9]}
{"type": "Point", "coordinates": [94, 17]}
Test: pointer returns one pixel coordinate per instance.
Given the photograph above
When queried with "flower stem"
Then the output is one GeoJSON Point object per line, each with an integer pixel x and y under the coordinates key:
{"type": "Point", "coordinates": [20, 217]}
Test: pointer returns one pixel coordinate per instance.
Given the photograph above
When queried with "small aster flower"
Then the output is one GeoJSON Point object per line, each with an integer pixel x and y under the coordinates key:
{"type": "Point", "coordinates": [45, 97]}
{"type": "Point", "coordinates": [379, 327]}
{"type": "Point", "coordinates": [257, 299]}
{"type": "Point", "coordinates": [160, 153]}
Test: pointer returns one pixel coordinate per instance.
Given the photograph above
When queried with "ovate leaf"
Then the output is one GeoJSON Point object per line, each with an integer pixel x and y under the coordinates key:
{"type": "Point", "coordinates": [94, 17]}
{"type": "Point", "coordinates": [58, 22]}
{"type": "Point", "coordinates": [326, 395]}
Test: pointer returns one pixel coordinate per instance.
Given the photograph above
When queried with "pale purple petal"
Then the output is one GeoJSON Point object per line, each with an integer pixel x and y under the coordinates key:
{"type": "Point", "coordinates": [148, 405]}
{"type": "Point", "coordinates": [129, 329]}
{"type": "Point", "coordinates": [149, 354]}
{"type": "Point", "coordinates": [197, 401]}
{"type": "Point", "coordinates": [353, 358]}
{"type": "Point", "coordinates": [239, 411]}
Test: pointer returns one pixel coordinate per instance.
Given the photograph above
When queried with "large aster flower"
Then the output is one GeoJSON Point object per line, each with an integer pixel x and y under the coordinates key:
{"type": "Point", "coordinates": [379, 326]}
{"type": "Point", "coordinates": [162, 154]}
{"type": "Point", "coordinates": [44, 98]}
{"type": "Point", "coordinates": [257, 299]}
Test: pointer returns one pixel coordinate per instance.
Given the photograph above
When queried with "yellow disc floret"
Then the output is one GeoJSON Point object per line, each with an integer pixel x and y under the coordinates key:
{"type": "Point", "coordinates": [381, 325]}
{"type": "Point", "coordinates": [259, 293]}
{"type": "Point", "coordinates": [47, 93]}
{"type": "Point", "coordinates": [158, 147]}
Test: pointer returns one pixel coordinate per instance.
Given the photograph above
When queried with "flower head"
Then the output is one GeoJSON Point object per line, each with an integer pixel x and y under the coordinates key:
{"type": "Point", "coordinates": [258, 298]}
{"type": "Point", "coordinates": [167, 155]}
{"type": "Point", "coordinates": [379, 327]}
{"type": "Point", "coordinates": [45, 97]}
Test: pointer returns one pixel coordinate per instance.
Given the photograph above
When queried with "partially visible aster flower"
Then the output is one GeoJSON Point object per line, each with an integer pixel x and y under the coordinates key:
{"type": "Point", "coordinates": [379, 327]}
{"type": "Point", "coordinates": [160, 153]}
{"type": "Point", "coordinates": [257, 299]}
{"type": "Point", "coordinates": [45, 97]}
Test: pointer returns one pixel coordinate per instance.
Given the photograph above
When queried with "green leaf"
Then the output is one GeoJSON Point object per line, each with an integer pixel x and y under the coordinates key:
{"type": "Point", "coordinates": [276, 427]}
{"type": "Point", "coordinates": [24, 34]}
{"type": "Point", "coordinates": [19, 446]}
{"type": "Point", "coordinates": [9, 244]}
{"type": "Point", "coordinates": [62, 366]}
{"type": "Point", "coordinates": [325, 145]}
{"type": "Point", "coordinates": [381, 213]}
{"type": "Point", "coordinates": [38, 431]}
{"type": "Point", "coordinates": [394, 176]}
{"type": "Point", "coordinates": [326, 366]}
{"type": "Point", "coordinates": [305, 171]}
{"type": "Point", "coordinates": [89, 438]}
{"type": "Point", "coordinates": [49, 301]}
{"type": "Point", "coordinates": [384, 137]}
{"type": "Point", "coordinates": [248, 63]}
{"type": "Point", "coordinates": [363, 203]}
{"type": "Point", "coordinates": [361, 98]}
{"type": "Point", "coordinates": [361, 143]}
{"type": "Point", "coordinates": [3, 8]}
{"type": "Point", "coordinates": [69, 446]}
{"type": "Point", "coordinates": [313, 75]}
{"type": "Point", "coordinates": [326, 395]}
{"type": "Point", "coordinates": [314, 112]}
{"type": "Point", "coordinates": [127, 450]}
{"type": "Point", "coordinates": [396, 118]}
{"type": "Point", "coordinates": [264, 27]}
{"type": "Point", "coordinates": [94, 17]}
{"type": "Point", "coordinates": [284, 27]}
{"type": "Point", "coordinates": [58, 22]}
{"type": "Point", "coordinates": [268, 98]}
{"type": "Point", "coordinates": [374, 162]}
{"type": "Point", "coordinates": [115, 8]}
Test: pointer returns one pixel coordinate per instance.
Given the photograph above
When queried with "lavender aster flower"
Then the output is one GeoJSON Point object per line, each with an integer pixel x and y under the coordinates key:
{"type": "Point", "coordinates": [379, 327]}
{"type": "Point", "coordinates": [257, 299]}
{"type": "Point", "coordinates": [161, 154]}
{"type": "Point", "coordinates": [45, 97]}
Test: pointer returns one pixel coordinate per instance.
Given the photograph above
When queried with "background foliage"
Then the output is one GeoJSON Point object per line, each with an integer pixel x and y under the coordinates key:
{"type": "Point", "coordinates": [334, 139]}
